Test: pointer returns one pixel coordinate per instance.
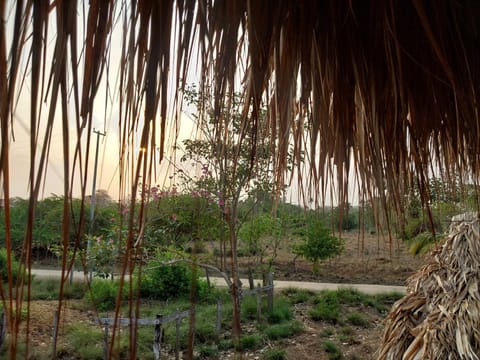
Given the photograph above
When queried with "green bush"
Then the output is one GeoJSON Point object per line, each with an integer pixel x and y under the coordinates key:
{"type": "Point", "coordinates": [275, 354]}
{"type": "Point", "coordinates": [248, 309]}
{"type": "Point", "coordinates": [281, 312]}
{"type": "Point", "coordinates": [250, 342]}
{"type": "Point", "coordinates": [4, 268]}
{"type": "Point", "coordinates": [358, 319]}
{"type": "Point", "coordinates": [327, 308]}
{"type": "Point", "coordinates": [207, 351]}
{"type": "Point", "coordinates": [318, 243]}
{"type": "Point", "coordinates": [332, 349]}
{"type": "Point", "coordinates": [165, 282]}
{"type": "Point", "coordinates": [280, 331]}
{"type": "Point", "coordinates": [103, 294]}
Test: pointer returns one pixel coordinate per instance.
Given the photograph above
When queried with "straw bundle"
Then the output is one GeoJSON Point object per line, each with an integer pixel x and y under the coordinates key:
{"type": "Point", "coordinates": [439, 318]}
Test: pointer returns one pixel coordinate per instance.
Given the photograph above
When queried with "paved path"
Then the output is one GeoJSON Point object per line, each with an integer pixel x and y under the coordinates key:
{"type": "Point", "coordinates": [279, 284]}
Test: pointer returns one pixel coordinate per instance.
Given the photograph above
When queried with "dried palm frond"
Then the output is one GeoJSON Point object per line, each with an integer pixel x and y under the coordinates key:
{"type": "Point", "coordinates": [439, 318]}
{"type": "Point", "coordinates": [389, 89]}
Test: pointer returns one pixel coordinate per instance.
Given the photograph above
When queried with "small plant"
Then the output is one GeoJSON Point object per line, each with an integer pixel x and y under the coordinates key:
{"type": "Point", "coordinates": [275, 354]}
{"type": "Point", "coordinates": [3, 266]}
{"type": "Point", "coordinates": [357, 319]}
{"type": "Point", "coordinates": [327, 308]}
{"type": "Point", "coordinates": [298, 296]}
{"type": "Point", "coordinates": [318, 243]}
{"type": "Point", "coordinates": [332, 350]}
{"type": "Point", "coordinates": [103, 294]}
{"type": "Point", "coordinates": [281, 312]}
{"type": "Point", "coordinates": [207, 351]}
{"type": "Point", "coordinates": [225, 344]}
{"type": "Point", "coordinates": [250, 342]}
{"type": "Point", "coordinates": [327, 332]}
{"type": "Point", "coordinates": [249, 308]}
{"type": "Point", "coordinates": [281, 331]}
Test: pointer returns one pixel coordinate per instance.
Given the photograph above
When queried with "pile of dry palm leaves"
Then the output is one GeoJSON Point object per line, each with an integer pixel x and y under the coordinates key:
{"type": "Point", "coordinates": [439, 318]}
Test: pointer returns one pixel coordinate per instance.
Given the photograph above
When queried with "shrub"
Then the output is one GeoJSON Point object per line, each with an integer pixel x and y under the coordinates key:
{"type": "Point", "coordinates": [318, 243]}
{"type": "Point", "coordinates": [332, 349]}
{"type": "Point", "coordinates": [250, 342]}
{"type": "Point", "coordinates": [281, 312]}
{"type": "Point", "coordinates": [207, 351]}
{"type": "Point", "coordinates": [280, 331]}
{"type": "Point", "coordinates": [103, 294]}
{"type": "Point", "coordinates": [249, 308]}
{"type": "Point", "coordinates": [3, 266]}
{"type": "Point", "coordinates": [275, 354]}
{"type": "Point", "coordinates": [327, 308]}
{"type": "Point", "coordinates": [357, 319]}
{"type": "Point", "coordinates": [165, 282]}
{"type": "Point", "coordinates": [298, 296]}
{"type": "Point", "coordinates": [225, 344]}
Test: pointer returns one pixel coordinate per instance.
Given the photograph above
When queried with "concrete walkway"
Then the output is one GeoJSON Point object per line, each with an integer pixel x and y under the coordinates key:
{"type": "Point", "coordinates": [279, 284]}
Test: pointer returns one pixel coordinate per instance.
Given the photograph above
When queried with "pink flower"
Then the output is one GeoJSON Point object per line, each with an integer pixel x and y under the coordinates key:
{"type": "Point", "coordinates": [174, 217]}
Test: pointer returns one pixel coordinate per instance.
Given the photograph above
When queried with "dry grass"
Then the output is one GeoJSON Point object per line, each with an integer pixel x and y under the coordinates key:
{"type": "Point", "coordinates": [441, 312]}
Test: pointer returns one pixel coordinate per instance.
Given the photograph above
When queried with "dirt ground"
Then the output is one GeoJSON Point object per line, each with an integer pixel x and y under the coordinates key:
{"type": "Point", "coordinates": [369, 260]}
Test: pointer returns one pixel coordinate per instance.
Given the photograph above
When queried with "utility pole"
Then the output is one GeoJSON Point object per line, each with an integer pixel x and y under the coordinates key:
{"type": "Point", "coordinates": [92, 198]}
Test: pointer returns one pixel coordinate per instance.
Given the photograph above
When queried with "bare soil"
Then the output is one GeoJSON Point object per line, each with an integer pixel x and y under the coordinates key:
{"type": "Point", "coordinates": [366, 259]}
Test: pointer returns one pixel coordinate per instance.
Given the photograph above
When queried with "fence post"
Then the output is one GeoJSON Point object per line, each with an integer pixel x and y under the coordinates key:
{"type": "Point", "coordinates": [2, 327]}
{"type": "Point", "coordinates": [177, 335]}
{"type": "Point", "coordinates": [157, 338]}
{"type": "Point", "coordinates": [270, 292]}
{"type": "Point", "coordinates": [259, 305]}
{"type": "Point", "coordinates": [54, 335]}
{"type": "Point", "coordinates": [105, 341]}
{"type": "Point", "coordinates": [250, 279]}
{"type": "Point", "coordinates": [219, 317]}
{"type": "Point", "coordinates": [207, 275]}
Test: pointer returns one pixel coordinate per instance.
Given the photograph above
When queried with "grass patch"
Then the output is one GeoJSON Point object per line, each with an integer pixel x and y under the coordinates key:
{"type": "Point", "coordinates": [275, 354]}
{"type": "Point", "coordinates": [250, 342]}
{"type": "Point", "coordinates": [332, 350]}
{"type": "Point", "coordinates": [281, 331]}
{"type": "Point", "coordinates": [327, 332]}
{"type": "Point", "coordinates": [298, 296]}
{"type": "Point", "coordinates": [282, 311]}
{"type": "Point", "coordinates": [327, 308]}
{"type": "Point", "coordinates": [358, 319]}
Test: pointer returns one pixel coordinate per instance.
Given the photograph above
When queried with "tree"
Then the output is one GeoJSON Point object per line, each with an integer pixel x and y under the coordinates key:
{"type": "Point", "coordinates": [230, 169]}
{"type": "Point", "coordinates": [318, 243]}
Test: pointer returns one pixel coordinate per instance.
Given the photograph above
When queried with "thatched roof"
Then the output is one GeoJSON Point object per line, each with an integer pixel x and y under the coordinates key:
{"type": "Point", "coordinates": [439, 318]}
{"type": "Point", "coordinates": [389, 85]}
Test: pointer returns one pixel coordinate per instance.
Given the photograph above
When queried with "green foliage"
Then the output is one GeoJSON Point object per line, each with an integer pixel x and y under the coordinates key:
{"type": "Point", "coordinates": [103, 294]}
{"type": "Point", "coordinates": [249, 308]}
{"type": "Point", "coordinates": [327, 308]}
{"type": "Point", "coordinates": [177, 219]}
{"type": "Point", "coordinates": [256, 232]}
{"type": "Point", "coordinates": [48, 289]}
{"type": "Point", "coordinates": [4, 266]}
{"type": "Point", "coordinates": [250, 342]}
{"type": "Point", "coordinates": [207, 351]}
{"type": "Point", "coordinates": [334, 353]}
{"type": "Point", "coordinates": [164, 282]}
{"type": "Point", "coordinates": [318, 242]}
{"type": "Point", "coordinates": [327, 332]}
{"type": "Point", "coordinates": [225, 344]}
{"type": "Point", "coordinates": [282, 311]}
{"type": "Point", "coordinates": [298, 296]}
{"type": "Point", "coordinates": [283, 330]}
{"type": "Point", "coordinates": [84, 341]}
{"type": "Point", "coordinates": [275, 354]}
{"type": "Point", "coordinates": [422, 243]}
{"type": "Point", "coordinates": [161, 281]}
{"type": "Point", "coordinates": [358, 319]}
